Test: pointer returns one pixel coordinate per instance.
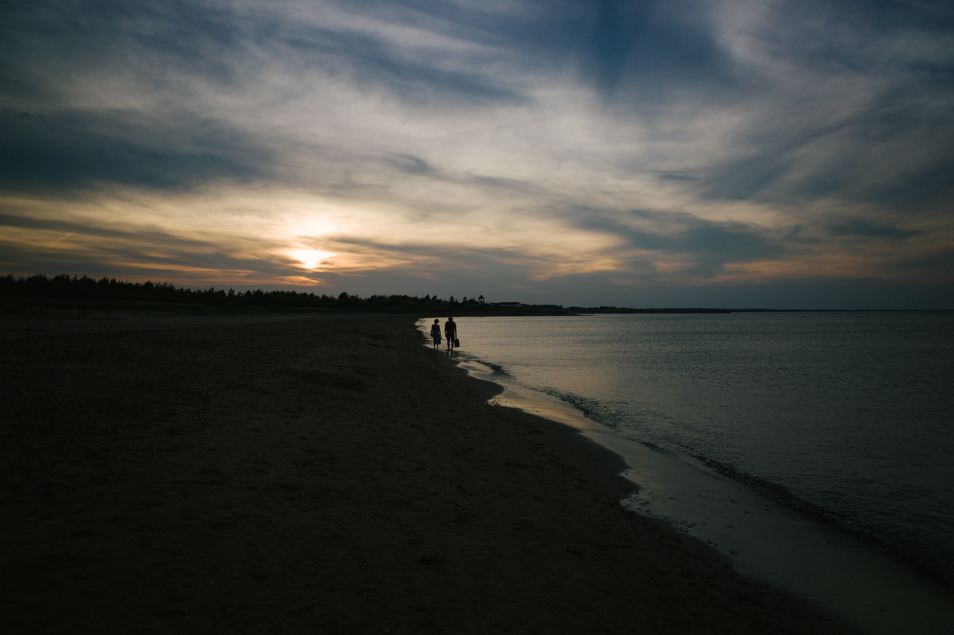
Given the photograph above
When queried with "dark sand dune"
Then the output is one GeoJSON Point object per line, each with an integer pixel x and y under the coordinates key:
{"type": "Point", "coordinates": [319, 475]}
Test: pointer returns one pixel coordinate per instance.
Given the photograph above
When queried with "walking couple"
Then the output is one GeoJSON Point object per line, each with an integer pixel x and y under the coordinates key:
{"type": "Point", "coordinates": [450, 333]}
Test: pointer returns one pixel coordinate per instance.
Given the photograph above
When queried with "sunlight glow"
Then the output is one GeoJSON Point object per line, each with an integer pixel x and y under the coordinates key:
{"type": "Point", "coordinates": [310, 259]}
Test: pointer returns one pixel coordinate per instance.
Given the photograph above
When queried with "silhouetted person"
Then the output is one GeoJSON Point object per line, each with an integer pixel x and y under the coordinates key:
{"type": "Point", "coordinates": [436, 333]}
{"type": "Point", "coordinates": [450, 332]}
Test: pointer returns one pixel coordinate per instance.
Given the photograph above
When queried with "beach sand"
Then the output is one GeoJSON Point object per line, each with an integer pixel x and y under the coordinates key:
{"type": "Point", "coordinates": [327, 475]}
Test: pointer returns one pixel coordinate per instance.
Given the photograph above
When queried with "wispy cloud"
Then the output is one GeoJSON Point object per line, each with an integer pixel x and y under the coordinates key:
{"type": "Point", "coordinates": [66, 150]}
{"type": "Point", "coordinates": [610, 150]}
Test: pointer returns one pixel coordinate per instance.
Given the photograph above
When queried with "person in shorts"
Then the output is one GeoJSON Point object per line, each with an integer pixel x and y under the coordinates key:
{"type": "Point", "coordinates": [450, 333]}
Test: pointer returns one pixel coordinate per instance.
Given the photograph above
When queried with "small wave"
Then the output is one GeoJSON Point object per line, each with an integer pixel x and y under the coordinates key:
{"type": "Point", "coordinates": [655, 447]}
{"type": "Point", "coordinates": [775, 491]}
{"type": "Point", "coordinates": [938, 571]}
{"type": "Point", "coordinates": [603, 412]}
{"type": "Point", "coordinates": [496, 368]}
{"type": "Point", "coordinates": [487, 370]}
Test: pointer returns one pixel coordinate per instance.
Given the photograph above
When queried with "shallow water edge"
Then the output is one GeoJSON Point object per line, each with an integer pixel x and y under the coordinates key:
{"type": "Point", "coordinates": [760, 537]}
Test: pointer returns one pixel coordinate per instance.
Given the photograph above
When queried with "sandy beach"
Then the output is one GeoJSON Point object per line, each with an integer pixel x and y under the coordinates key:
{"type": "Point", "coordinates": [320, 474]}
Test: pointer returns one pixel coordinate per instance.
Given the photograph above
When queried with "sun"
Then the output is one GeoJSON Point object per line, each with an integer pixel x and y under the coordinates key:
{"type": "Point", "coordinates": [310, 259]}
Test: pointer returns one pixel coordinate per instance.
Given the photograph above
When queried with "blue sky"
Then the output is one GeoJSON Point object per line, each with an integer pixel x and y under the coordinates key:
{"type": "Point", "coordinates": [716, 153]}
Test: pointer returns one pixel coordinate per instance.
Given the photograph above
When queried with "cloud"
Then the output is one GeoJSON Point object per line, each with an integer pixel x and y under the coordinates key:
{"type": "Point", "coordinates": [371, 62]}
{"type": "Point", "coordinates": [71, 149]}
{"type": "Point", "coordinates": [554, 150]}
{"type": "Point", "coordinates": [850, 100]}
{"type": "Point", "coordinates": [866, 229]}
{"type": "Point", "coordinates": [57, 245]}
{"type": "Point", "coordinates": [409, 164]}
{"type": "Point", "coordinates": [705, 246]}
{"type": "Point", "coordinates": [647, 51]}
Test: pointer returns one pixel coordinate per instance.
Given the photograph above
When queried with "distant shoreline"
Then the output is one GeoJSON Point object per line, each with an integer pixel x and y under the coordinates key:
{"type": "Point", "coordinates": [54, 307]}
{"type": "Point", "coordinates": [84, 294]}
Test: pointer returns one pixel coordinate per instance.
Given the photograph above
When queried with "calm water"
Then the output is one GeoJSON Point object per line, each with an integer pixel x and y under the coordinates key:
{"type": "Point", "coordinates": [845, 416]}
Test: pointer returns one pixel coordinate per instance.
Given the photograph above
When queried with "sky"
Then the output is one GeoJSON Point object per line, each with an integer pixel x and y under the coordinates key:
{"type": "Point", "coordinates": [731, 153]}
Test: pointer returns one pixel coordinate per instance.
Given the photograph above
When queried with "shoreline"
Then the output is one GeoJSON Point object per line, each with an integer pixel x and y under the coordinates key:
{"type": "Point", "coordinates": [322, 473]}
{"type": "Point", "coordinates": [819, 561]}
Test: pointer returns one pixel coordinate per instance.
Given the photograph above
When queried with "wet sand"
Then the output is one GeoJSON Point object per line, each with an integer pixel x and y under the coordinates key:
{"type": "Point", "coordinates": [320, 475]}
{"type": "Point", "coordinates": [867, 588]}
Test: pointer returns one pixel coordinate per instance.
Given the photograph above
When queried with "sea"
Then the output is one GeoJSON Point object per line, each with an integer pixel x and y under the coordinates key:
{"type": "Point", "coordinates": [814, 449]}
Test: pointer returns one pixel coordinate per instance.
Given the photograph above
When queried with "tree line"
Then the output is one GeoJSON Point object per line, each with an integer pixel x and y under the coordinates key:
{"type": "Point", "coordinates": [84, 289]}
